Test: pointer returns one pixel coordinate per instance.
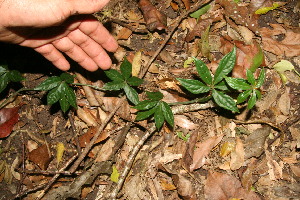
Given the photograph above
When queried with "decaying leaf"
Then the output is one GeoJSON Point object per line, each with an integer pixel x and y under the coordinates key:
{"type": "Point", "coordinates": [237, 156]}
{"type": "Point", "coordinates": [284, 102]}
{"type": "Point", "coordinates": [124, 34]}
{"type": "Point", "coordinates": [136, 63]}
{"type": "Point", "coordinates": [40, 157]}
{"type": "Point", "coordinates": [166, 185]}
{"type": "Point", "coordinates": [222, 186]}
{"type": "Point", "coordinates": [289, 46]}
{"type": "Point", "coordinates": [183, 122]}
{"type": "Point", "coordinates": [123, 111]}
{"type": "Point", "coordinates": [86, 137]}
{"type": "Point", "coordinates": [283, 66]}
{"type": "Point", "coordinates": [254, 143]}
{"type": "Point", "coordinates": [114, 177]}
{"type": "Point", "coordinates": [86, 116]}
{"type": "Point", "coordinates": [60, 149]}
{"type": "Point", "coordinates": [184, 186]}
{"type": "Point", "coordinates": [155, 20]}
{"type": "Point", "coordinates": [202, 151]}
{"type": "Point", "coordinates": [8, 118]}
{"type": "Point", "coordinates": [187, 4]}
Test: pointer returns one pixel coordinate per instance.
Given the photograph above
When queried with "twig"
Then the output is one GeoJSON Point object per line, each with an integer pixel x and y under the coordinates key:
{"type": "Point", "coordinates": [124, 24]}
{"type": "Point", "coordinates": [99, 131]}
{"type": "Point", "coordinates": [259, 122]}
{"type": "Point", "coordinates": [184, 15]}
{"type": "Point", "coordinates": [75, 136]}
{"type": "Point", "coordinates": [151, 130]}
{"type": "Point", "coordinates": [48, 185]}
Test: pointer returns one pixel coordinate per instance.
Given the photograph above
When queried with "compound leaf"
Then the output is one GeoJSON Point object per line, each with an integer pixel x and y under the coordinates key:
{"type": "Point", "coordinates": [243, 96]}
{"type": "Point", "coordinates": [250, 77]}
{"type": "Point", "coordinates": [155, 95]}
{"type": "Point", "coordinates": [237, 83]}
{"type": "Point", "coordinates": [194, 86]}
{"type": "Point", "coordinates": [261, 78]}
{"type": "Point", "coordinates": [252, 100]}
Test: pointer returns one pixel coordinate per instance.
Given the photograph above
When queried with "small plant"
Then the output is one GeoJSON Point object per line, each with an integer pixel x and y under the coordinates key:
{"type": "Point", "coordinates": [124, 80]}
{"type": "Point", "coordinates": [59, 91]}
{"type": "Point", "coordinates": [7, 76]}
{"type": "Point", "coordinates": [155, 106]}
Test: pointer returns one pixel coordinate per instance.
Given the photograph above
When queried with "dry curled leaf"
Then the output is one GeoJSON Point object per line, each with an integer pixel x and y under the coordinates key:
{"type": "Point", "coordinates": [202, 151]}
{"type": "Point", "coordinates": [155, 20]}
{"type": "Point", "coordinates": [8, 118]}
{"type": "Point", "coordinates": [289, 46]}
{"type": "Point", "coordinates": [220, 186]}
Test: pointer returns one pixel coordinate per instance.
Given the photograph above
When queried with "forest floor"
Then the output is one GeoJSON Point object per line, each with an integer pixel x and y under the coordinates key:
{"type": "Point", "coordinates": [210, 153]}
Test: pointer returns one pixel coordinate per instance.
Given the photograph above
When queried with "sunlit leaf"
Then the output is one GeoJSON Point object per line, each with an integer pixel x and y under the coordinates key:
{"type": "Point", "coordinates": [237, 83]}
{"type": "Point", "coordinates": [203, 71]}
{"type": "Point", "coordinates": [60, 149]}
{"type": "Point", "coordinates": [146, 105]}
{"type": "Point", "coordinates": [194, 86]}
{"type": "Point", "coordinates": [252, 100]}
{"type": "Point", "coordinates": [167, 112]}
{"type": "Point", "coordinates": [264, 10]}
{"type": "Point", "coordinates": [49, 83]}
{"type": "Point", "coordinates": [250, 77]}
{"type": "Point", "coordinates": [261, 78]}
{"type": "Point", "coordinates": [225, 66]}
{"type": "Point", "coordinates": [224, 101]}
{"type": "Point", "coordinates": [257, 60]}
{"type": "Point", "coordinates": [200, 11]}
{"type": "Point", "coordinates": [243, 96]}
{"type": "Point", "coordinates": [131, 94]}
{"type": "Point", "coordinates": [114, 177]}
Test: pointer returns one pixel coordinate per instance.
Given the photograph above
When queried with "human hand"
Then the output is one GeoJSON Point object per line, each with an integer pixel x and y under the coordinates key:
{"type": "Point", "coordinates": [54, 26]}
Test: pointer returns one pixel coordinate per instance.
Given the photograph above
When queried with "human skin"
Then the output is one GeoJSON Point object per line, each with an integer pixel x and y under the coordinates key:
{"type": "Point", "coordinates": [54, 27]}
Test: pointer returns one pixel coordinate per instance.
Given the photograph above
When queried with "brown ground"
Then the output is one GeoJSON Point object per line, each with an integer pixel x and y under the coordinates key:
{"type": "Point", "coordinates": [266, 140]}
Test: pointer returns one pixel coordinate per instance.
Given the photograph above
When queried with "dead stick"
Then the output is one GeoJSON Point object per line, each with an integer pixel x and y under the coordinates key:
{"type": "Point", "coordinates": [151, 130]}
{"type": "Point", "coordinates": [99, 131]}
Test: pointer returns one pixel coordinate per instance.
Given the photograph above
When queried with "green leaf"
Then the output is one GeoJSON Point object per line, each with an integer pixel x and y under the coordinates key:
{"type": "Point", "coordinates": [187, 63]}
{"type": "Point", "coordinates": [252, 100]}
{"type": "Point", "coordinates": [114, 177]}
{"type": "Point", "coordinates": [15, 76]}
{"type": "Point", "coordinates": [145, 114]}
{"type": "Point", "coordinates": [224, 101]}
{"type": "Point", "coordinates": [250, 77]}
{"type": "Point", "coordinates": [159, 117]}
{"type": "Point", "coordinates": [134, 81]}
{"type": "Point", "coordinates": [4, 80]}
{"type": "Point", "coordinates": [155, 95]}
{"type": "Point", "coordinates": [49, 83]}
{"type": "Point", "coordinates": [126, 68]}
{"type": "Point", "coordinates": [131, 94]}
{"type": "Point", "coordinates": [114, 85]}
{"type": "Point", "coordinates": [257, 60]}
{"type": "Point", "coordinates": [221, 86]}
{"type": "Point", "coordinates": [181, 136]}
{"type": "Point", "coordinates": [167, 112]}
{"type": "Point", "coordinates": [203, 71]}
{"type": "Point", "coordinates": [67, 77]}
{"type": "Point", "coordinates": [225, 66]}
{"type": "Point", "coordinates": [264, 10]}
{"type": "Point", "coordinates": [258, 94]}
{"type": "Point", "coordinates": [64, 104]}
{"type": "Point", "coordinates": [200, 11]}
{"type": "Point", "coordinates": [237, 83]}
{"type": "Point", "coordinates": [261, 78]}
{"type": "Point", "coordinates": [69, 94]}
{"type": "Point", "coordinates": [243, 96]}
{"type": "Point", "coordinates": [145, 105]}
{"type": "Point", "coordinates": [54, 95]}
{"type": "Point", "coordinates": [114, 75]}
{"type": "Point", "coordinates": [194, 86]}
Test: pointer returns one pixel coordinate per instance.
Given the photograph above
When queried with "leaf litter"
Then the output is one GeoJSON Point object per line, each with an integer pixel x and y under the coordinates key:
{"type": "Point", "coordinates": [215, 156]}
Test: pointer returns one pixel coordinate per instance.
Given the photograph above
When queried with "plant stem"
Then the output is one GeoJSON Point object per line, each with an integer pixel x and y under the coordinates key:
{"type": "Point", "coordinates": [92, 86]}
{"type": "Point", "coordinates": [198, 100]}
{"type": "Point", "coordinates": [4, 103]}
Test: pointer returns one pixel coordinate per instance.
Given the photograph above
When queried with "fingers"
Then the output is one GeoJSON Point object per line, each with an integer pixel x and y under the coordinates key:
{"type": "Point", "coordinates": [96, 31]}
{"type": "Point", "coordinates": [54, 56]}
{"type": "Point", "coordinates": [86, 6]}
{"type": "Point", "coordinates": [76, 53]}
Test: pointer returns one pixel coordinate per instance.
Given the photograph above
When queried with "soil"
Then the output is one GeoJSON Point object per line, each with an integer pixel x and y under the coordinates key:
{"type": "Point", "coordinates": [161, 169]}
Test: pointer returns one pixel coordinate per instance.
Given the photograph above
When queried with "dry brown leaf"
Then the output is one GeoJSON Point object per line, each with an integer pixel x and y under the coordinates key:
{"type": "Point", "coordinates": [136, 63]}
{"type": "Point", "coordinates": [40, 157]}
{"type": "Point", "coordinates": [183, 122]}
{"type": "Point", "coordinates": [124, 34]}
{"type": "Point", "coordinates": [220, 186]}
{"type": "Point", "coordinates": [237, 156]}
{"type": "Point", "coordinates": [86, 138]}
{"type": "Point", "coordinates": [240, 14]}
{"type": "Point", "coordinates": [123, 111]}
{"type": "Point", "coordinates": [184, 187]}
{"type": "Point", "coordinates": [154, 19]}
{"type": "Point", "coordinates": [289, 46]}
{"type": "Point", "coordinates": [202, 151]}
{"type": "Point", "coordinates": [86, 116]}
{"type": "Point", "coordinates": [296, 170]}
{"type": "Point", "coordinates": [187, 4]}
{"type": "Point", "coordinates": [166, 185]}
{"type": "Point", "coordinates": [254, 143]}
{"type": "Point", "coordinates": [284, 102]}
{"type": "Point", "coordinates": [105, 151]}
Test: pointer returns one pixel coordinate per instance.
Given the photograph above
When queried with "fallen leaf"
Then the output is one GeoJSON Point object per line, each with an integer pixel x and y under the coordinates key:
{"type": "Point", "coordinates": [154, 19]}
{"type": "Point", "coordinates": [284, 102]}
{"type": "Point", "coordinates": [254, 143]}
{"type": "Point", "coordinates": [237, 156]}
{"type": "Point", "coordinates": [227, 148]}
{"type": "Point", "coordinates": [60, 149]}
{"type": "Point", "coordinates": [86, 137]}
{"type": "Point", "coordinates": [105, 152]}
{"type": "Point", "coordinates": [283, 66]}
{"type": "Point", "coordinates": [202, 150]}
{"type": "Point", "coordinates": [184, 187]}
{"type": "Point", "coordinates": [183, 122]}
{"type": "Point", "coordinates": [166, 185]}
{"type": "Point", "coordinates": [86, 116]}
{"type": "Point", "coordinates": [136, 63]}
{"type": "Point", "coordinates": [187, 4]}
{"type": "Point", "coordinates": [295, 169]}
{"type": "Point", "coordinates": [40, 157]}
{"type": "Point", "coordinates": [8, 118]}
{"type": "Point", "coordinates": [220, 186]}
{"type": "Point", "coordinates": [289, 46]}
{"type": "Point", "coordinates": [123, 111]}
{"type": "Point", "coordinates": [114, 177]}
{"type": "Point", "coordinates": [124, 34]}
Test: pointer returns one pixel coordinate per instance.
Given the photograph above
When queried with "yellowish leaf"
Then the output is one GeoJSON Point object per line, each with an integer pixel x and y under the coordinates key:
{"type": "Point", "coordinates": [114, 177]}
{"type": "Point", "coordinates": [60, 148]}
{"type": "Point", "coordinates": [136, 63]}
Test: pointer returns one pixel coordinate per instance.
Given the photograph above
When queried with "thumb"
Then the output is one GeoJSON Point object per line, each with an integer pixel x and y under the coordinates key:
{"type": "Point", "coordinates": [86, 6]}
